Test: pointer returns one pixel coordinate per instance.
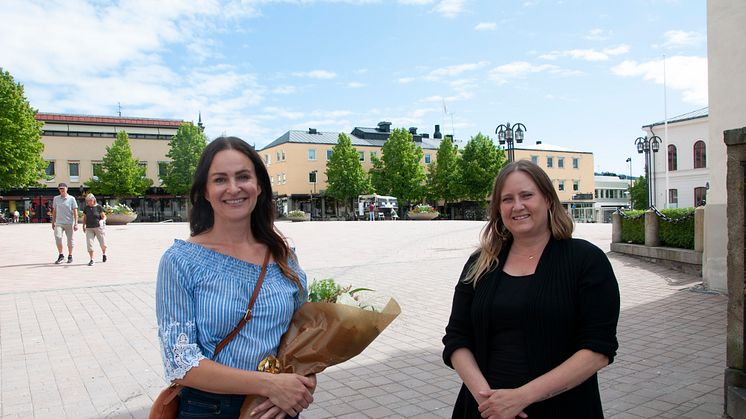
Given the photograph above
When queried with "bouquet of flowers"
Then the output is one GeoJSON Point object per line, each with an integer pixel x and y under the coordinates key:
{"type": "Point", "coordinates": [333, 327]}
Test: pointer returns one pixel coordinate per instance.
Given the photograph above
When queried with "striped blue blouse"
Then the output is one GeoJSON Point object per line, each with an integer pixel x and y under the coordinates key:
{"type": "Point", "coordinates": [200, 297]}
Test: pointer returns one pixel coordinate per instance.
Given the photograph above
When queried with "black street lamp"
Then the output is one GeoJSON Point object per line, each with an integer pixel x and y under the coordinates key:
{"type": "Point", "coordinates": [314, 173]}
{"type": "Point", "coordinates": [649, 146]}
{"type": "Point", "coordinates": [629, 180]}
{"type": "Point", "coordinates": [506, 134]}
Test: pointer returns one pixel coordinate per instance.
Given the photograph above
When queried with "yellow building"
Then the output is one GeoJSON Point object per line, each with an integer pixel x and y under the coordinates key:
{"type": "Point", "coordinates": [296, 162]}
{"type": "Point", "coordinates": [74, 146]}
{"type": "Point", "coordinates": [571, 173]}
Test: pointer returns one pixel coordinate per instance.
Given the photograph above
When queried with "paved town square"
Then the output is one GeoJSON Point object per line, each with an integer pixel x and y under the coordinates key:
{"type": "Point", "coordinates": [80, 342]}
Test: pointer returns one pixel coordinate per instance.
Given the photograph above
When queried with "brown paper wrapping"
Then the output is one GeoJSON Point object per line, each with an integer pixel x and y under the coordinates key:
{"type": "Point", "coordinates": [324, 334]}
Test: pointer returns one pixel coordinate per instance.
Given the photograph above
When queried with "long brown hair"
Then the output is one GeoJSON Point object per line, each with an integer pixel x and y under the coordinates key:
{"type": "Point", "coordinates": [495, 234]}
{"type": "Point", "coordinates": [202, 217]}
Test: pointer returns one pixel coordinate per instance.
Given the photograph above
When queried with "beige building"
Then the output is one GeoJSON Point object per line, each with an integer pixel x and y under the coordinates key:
{"type": "Point", "coordinates": [74, 146]}
{"type": "Point", "coordinates": [296, 162]}
{"type": "Point", "coordinates": [571, 173]}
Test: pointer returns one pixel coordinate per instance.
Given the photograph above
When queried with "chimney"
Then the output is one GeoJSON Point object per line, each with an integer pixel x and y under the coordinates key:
{"type": "Point", "coordinates": [384, 126]}
{"type": "Point", "coordinates": [312, 131]}
{"type": "Point", "coordinates": [437, 133]}
{"type": "Point", "coordinates": [538, 142]}
{"type": "Point", "coordinates": [425, 135]}
{"type": "Point", "coordinates": [413, 130]}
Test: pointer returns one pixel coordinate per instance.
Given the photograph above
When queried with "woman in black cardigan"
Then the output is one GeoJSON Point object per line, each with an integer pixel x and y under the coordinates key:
{"type": "Point", "coordinates": [535, 311]}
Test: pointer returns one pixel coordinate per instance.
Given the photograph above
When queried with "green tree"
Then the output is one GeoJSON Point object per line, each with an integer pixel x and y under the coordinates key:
{"type": "Point", "coordinates": [121, 174]}
{"type": "Point", "coordinates": [480, 163]}
{"type": "Point", "coordinates": [444, 179]}
{"type": "Point", "coordinates": [377, 179]}
{"type": "Point", "coordinates": [639, 193]}
{"type": "Point", "coordinates": [21, 164]}
{"type": "Point", "coordinates": [401, 173]}
{"type": "Point", "coordinates": [185, 148]}
{"type": "Point", "coordinates": [345, 176]}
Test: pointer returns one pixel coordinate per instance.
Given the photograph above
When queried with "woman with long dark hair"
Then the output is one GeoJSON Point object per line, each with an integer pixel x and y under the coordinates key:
{"type": "Point", "coordinates": [535, 311]}
{"type": "Point", "coordinates": [205, 285]}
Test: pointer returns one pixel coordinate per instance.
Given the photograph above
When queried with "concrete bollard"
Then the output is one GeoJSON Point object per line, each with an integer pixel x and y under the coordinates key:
{"type": "Point", "coordinates": [651, 229]}
{"type": "Point", "coordinates": [699, 229]}
{"type": "Point", "coordinates": [616, 228]}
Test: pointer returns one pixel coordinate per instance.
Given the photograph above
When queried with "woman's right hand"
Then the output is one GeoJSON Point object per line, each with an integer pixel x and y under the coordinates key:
{"type": "Point", "coordinates": [290, 392]}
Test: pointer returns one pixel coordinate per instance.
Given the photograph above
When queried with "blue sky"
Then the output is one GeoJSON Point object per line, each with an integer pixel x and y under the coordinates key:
{"type": "Point", "coordinates": [585, 75]}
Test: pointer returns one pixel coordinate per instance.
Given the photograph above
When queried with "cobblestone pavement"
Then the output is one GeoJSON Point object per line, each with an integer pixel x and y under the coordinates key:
{"type": "Point", "coordinates": [80, 342]}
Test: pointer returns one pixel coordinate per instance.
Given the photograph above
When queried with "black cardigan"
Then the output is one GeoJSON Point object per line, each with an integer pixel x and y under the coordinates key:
{"type": "Point", "coordinates": [574, 304]}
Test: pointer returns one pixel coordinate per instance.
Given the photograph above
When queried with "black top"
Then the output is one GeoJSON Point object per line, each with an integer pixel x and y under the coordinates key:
{"type": "Point", "coordinates": [573, 304]}
{"type": "Point", "coordinates": [93, 216]}
{"type": "Point", "coordinates": [508, 367]}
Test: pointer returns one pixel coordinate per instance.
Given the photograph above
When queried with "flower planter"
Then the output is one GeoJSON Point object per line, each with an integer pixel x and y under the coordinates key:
{"type": "Point", "coordinates": [298, 218]}
{"type": "Point", "coordinates": [120, 219]}
{"type": "Point", "coordinates": [427, 216]}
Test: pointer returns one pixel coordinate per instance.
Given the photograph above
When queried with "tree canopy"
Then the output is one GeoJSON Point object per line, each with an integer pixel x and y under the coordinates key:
{"type": "Point", "coordinates": [185, 149]}
{"type": "Point", "coordinates": [21, 162]}
{"type": "Point", "coordinates": [444, 179]}
{"type": "Point", "coordinates": [639, 193]}
{"type": "Point", "coordinates": [480, 163]}
{"type": "Point", "coordinates": [345, 176]}
{"type": "Point", "coordinates": [121, 174]}
{"type": "Point", "coordinates": [401, 174]}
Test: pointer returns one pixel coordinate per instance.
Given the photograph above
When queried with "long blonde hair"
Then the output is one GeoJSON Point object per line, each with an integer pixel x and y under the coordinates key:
{"type": "Point", "coordinates": [495, 234]}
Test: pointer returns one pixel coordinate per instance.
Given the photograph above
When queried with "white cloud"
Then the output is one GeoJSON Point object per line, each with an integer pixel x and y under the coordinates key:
{"type": "Point", "coordinates": [598, 34]}
{"type": "Point", "coordinates": [677, 39]}
{"type": "Point", "coordinates": [687, 74]}
{"type": "Point", "coordinates": [454, 70]}
{"type": "Point", "coordinates": [520, 69]}
{"type": "Point", "coordinates": [405, 80]}
{"type": "Point", "coordinates": [317, 74]}
{"type": "Point", "coordinates": [275, 112]}
{"type": "Point", "coordinates": [449, 8]}
{"type": "Point", "coordinates": [418, 2]}
{"type": "Point", "coordinates": [486, 26]}
{"type": "Point", "coordinates": [355, 85]}
{"type": "Point", "coordinates": [284, 90]}
{"type": "Point", "coordinates": [587, 54]}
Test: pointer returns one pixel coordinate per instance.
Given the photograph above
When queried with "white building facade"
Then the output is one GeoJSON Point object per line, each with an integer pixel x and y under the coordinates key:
{"type": "Point", "coordinates": [611, 194]}
{"type": "Point", "coordinates": [681, 170]}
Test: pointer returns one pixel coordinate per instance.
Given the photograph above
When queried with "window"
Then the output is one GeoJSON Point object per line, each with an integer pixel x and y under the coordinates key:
{"type": "Point", "coordinates": [271, 180]}
{"type": "Point", "coordinates": [671, 157]}
{"type": "Point", "coordinates": [329, 154]}
{"type": "Point", "coordinates": [284, 179]}
{"type": "Point", "coordinates": [267, 161]}
{"type": "Point", "coordinates": [312, 177]}
{"type": "Point", "coordinates": [560, 162]}
{"type": "Point", "coordinates": [561, 185]}
{"type": "Point", "coordinates": [311, 154]}
{"type": "Point", "coordinates": [700, 155]}
{"type": "Point", "coordinates": [283, 155]}
{"type": "Point", "coordinates": [278, 156]}
{"type": "Point", "coordinates": [575, 185]}
{"type": "Point", "coordinates": [575, 162]}
{"type": "Point", "coordinates": [373, 154]}
{"type": "Point", "coordinates": [595, 194]}
{"type": "Point", "coordinates": [97, 167]}
{"type": "Point", "coordinates": [279, 178]}
{"type": "Point", "coordinates": [74, 168]}
{"type": "Point", "coordinates": [673, 196]}
{"type": "Point", "coordinates": [535, 159]}
{"type": "Point", "coordinates": [50, 169]}
{"type": "Point", "coordinates": [144, 166]}
{"type": "Point", "coordinates": [427, 158]}
{"type": "Point", "coordinates": [550, 162]}
{"type": "Point", "coordinates": [362, 155]}
{"type": "Point", "coordinates": [700, 194]}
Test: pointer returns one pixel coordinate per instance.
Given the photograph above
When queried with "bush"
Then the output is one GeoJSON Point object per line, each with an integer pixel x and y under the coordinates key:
{"type": "Point", "coordinates": [118, 209]}
{"type": "Point", "coordinates": [680, 234]}
{"type": "Point", "coordinates": [633, 231]}
{"type": "Point", "coordinates": [423, 208]}
{"type": "Point", "coordinates": [296, 213]}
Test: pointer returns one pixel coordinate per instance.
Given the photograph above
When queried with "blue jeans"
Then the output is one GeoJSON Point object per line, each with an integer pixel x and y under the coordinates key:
{"type": "Point", "coordinates": [196, 404]}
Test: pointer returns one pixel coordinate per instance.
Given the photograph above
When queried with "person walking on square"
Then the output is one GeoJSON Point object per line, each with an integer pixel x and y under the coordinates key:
{"type": "Point", "coordinates": [372, 212]}
{"type": "Point", "coordinates": [94, 219]}
{"type": "Point", "coordinates": [16, 216]}
{"type": "Point", "coordinates": [234, 255]}
{"type": "Point", "coordinates": [534, 312]}
{"type": "Point", "coordinates": [64, 220]}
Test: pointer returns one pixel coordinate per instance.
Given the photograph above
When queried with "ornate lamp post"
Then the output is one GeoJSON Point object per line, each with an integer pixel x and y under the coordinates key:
{"type": "Point", "coordinates": [629, 179]}
{"type": "Point", "coordinates": [314, 172]}
{"type": "Point", "coordinates": [648, 146]}
{"type": "Point", "coordinates": [507, 134]}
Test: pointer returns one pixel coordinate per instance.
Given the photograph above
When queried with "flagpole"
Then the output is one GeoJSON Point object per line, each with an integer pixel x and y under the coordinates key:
{"type": "Point", "coordinates": [665, 130]}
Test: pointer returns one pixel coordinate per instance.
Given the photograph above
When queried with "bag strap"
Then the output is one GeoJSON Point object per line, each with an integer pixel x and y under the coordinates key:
{"type": "Point", "coordinates": [246, 317]}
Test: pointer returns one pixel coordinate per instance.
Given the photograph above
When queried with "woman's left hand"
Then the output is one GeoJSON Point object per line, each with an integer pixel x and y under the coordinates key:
{"type": "Point", "coordinates": [267, 410]}
{"type": "Point", "coordinates": [502, 404]}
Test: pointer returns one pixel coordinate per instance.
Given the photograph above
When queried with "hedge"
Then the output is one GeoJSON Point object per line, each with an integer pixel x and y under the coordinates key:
{"type": "Point", "coordinates": [679, 234]}
{"type": "Point", "coordinates": [633, 231]}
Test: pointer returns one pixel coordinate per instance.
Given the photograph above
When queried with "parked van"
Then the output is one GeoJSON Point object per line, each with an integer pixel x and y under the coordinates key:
{"type": "Point", "coordinates": [384, 204]}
